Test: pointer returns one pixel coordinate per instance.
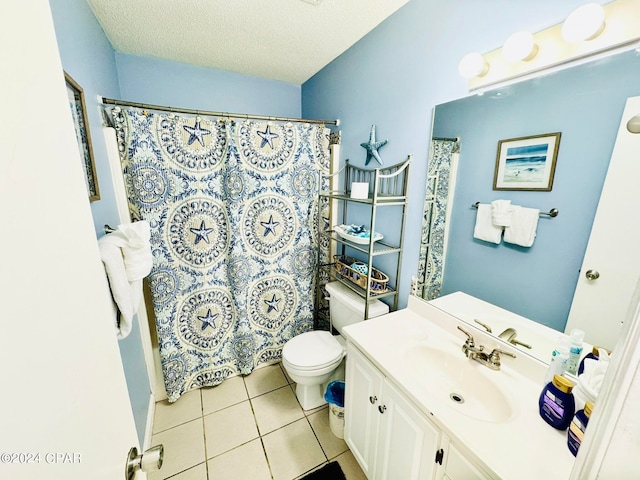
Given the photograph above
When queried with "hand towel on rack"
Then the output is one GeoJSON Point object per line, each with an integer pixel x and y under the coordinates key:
{"type": "Point", "coordinates": [524, 222]}
{"type": "Point", "coordinates": [136, 251]}
{"type": "Point", "coordinates": [501, 212]}
{"type": "Point", "coordinates": [127, 259]}
{"type": "Point", "coordinates": [485, 229]}
{"type": "Point", "coordinates": [126, 295]}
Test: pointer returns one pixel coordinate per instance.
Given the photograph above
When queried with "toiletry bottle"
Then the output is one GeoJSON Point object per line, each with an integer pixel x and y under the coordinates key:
{"type": "Point", "coordinates": [575, 351]}
{"type": "Point", "coordinates": [556, 402]}
{"type": "Point", "coordinates": [559, 359]}
{"type": "Point", "coordinates": [577, 428]}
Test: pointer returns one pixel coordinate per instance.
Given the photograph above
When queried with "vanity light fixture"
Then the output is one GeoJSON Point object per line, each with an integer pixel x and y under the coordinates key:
{"type": "Point", "coordinates": [633, 125]}
{"type": "Point", "coordinates": [584, 23]}
{"type": "Point", "coordinates": [520, 46]}
{"type": "Point", "coordinates": [473, 65]}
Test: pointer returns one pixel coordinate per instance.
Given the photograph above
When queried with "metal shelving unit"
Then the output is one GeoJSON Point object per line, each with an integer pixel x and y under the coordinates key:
{"type": "Point", "coordinates": [387, 187]}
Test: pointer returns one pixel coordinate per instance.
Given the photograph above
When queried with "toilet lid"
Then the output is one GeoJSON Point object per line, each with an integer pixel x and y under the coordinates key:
{"type": "Point", "coordinates": [312, 350]}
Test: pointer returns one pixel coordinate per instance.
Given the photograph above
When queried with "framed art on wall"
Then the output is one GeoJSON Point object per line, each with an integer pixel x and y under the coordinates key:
{"type": "Point", "coordinates": [527, 163]}
{"type": "Point", "coordinates": [78, 108]}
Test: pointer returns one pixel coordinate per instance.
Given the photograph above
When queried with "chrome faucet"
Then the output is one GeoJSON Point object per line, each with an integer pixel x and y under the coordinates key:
{"type": "Point", "coordinates": [491, 360]}
{"type": "Point", "coordinates": [510, 335]}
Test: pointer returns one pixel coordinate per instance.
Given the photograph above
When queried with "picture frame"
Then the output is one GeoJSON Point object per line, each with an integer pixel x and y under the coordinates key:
{"type": "Point", "coordinates": [527, 163]}
{"type": "Point", "coordinates": [75, 95]}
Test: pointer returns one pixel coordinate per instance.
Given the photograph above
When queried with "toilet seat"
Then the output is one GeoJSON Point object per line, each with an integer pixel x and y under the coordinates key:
{"type": "Point", "coordinates": [312, 351]}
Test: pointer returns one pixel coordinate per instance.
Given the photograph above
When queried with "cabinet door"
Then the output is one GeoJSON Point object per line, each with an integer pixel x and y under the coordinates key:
{"type": "Point", "coordinates": [363, 388]}
{"type": "Point", "coordinates": [407, 440]}
{"type": "Point", "coordinates": [459, 467]}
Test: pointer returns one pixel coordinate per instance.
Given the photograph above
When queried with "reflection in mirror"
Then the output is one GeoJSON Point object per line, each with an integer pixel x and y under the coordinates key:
{"type": "Point", "coordinates": [585, 103]}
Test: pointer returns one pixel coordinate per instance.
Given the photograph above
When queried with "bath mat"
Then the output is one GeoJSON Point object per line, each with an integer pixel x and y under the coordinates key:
{"type": "Point", "coordinates": [331, 471]}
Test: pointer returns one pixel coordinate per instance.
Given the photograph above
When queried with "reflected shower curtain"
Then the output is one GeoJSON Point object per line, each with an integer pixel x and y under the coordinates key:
{"type": "Point", "coordinates": [440, 171]}
{"type": "Point", "coordinates": [233, 208]}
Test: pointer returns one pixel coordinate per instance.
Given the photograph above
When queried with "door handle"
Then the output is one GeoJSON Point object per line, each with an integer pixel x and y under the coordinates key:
{"type": "Point", "coordinates": [592, 274]}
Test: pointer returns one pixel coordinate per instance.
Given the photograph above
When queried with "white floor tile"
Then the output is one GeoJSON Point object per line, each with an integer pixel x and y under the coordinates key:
{"type": "Point", "coordinates": [229, 428]}
{"type": "Point", "coordinates": [188, 407]}
{"type": "Point", "coordinates": [276, 409]}
{"type": "Point", "coordinates": [332, 445]}
{"type": "Point", "coordinates": [228, 393]}
{"type": "Point", "coordinates": [199, 472]}
{"type": "Point", "coordinates": [265, 379]}
{"type": "Point", "coordinates": [247, 462]}
{"type": "Point", "coordinates": [183, 448]}
{"type": "Point", "coordinates": [293, 450]}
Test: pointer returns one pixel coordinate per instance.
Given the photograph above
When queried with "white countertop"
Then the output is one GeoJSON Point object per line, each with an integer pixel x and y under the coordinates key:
{"type": "Point", "coordinates": [523, 446]}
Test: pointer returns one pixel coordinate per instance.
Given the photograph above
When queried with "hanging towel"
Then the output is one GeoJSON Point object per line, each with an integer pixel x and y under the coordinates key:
{"type": "Point", "coordinates": [501, 212]}
{"type": "Point", "coordinates": [524, 222]}
{"type": "Point", "coordinates": [122, 252]}
{"type": "Point", "coordinates": [485, 229]}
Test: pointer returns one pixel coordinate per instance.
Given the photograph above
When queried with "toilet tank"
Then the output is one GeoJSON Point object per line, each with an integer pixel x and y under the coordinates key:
{"type": "Point", "coordinates": [347, 307]}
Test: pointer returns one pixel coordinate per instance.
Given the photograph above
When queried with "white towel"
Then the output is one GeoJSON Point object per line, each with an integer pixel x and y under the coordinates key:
{"type": "Point", "coordinates": [501, 212]}
{"type": "Point", "coordinates": [125, 254]}
{"type": "Point", "coordinates": [524, 222]}
{"type": "Point", "coordinates": [485, 229]}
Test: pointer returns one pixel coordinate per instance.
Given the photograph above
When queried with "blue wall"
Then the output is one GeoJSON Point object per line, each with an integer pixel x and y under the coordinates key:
{"type": "Point", "coordinates": [585, 104]}
{"type": "Point", "coordinates": [395, 75]}
{"type": "Point", "coordinates": [163, 82]}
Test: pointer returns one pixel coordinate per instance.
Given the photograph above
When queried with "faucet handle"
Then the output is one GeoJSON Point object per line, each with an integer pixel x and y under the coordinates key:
{"type": "Point", "coordinates": [496, 352]}
{"type": "Point", "coordinates": [469, 342]}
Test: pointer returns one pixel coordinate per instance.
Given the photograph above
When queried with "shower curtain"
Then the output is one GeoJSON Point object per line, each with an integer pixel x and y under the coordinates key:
{"type": "Point", "coordinates": [233, 208]}
{"type": "Point", "coordinates": [440, 175]}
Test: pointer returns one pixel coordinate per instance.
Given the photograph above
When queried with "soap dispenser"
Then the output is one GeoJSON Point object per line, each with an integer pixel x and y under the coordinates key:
{"type": "Point", "coordinates": [557, 404]}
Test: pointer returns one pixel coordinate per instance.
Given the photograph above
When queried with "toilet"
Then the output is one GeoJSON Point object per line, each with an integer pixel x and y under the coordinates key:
{"type": "Point", "coordinates": [314, 358]}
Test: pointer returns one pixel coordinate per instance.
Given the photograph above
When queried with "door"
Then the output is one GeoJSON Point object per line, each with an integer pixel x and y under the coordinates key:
{"type": "Point", "coordinates": [64, 410]}
{"type": "Point", "coordinates": [363, 393]}
{"type": "Point", "coordinates": [611, 265]}
{"type": "Point", "coordinates": [407, 442]}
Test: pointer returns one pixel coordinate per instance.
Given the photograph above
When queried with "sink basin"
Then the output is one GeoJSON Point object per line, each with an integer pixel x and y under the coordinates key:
{"type": "Point", "coordinates": [458, 382]}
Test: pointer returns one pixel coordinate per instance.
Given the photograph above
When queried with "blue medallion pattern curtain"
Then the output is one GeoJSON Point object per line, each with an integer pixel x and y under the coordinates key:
{"type": "Point", "coordinates": [233, 209]}
{"type": "Point", "coordinates": [440, 170]}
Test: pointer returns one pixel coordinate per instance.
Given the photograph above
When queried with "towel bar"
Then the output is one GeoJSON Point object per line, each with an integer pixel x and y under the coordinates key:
{"type": "Point", "coordinates": [551, 213]}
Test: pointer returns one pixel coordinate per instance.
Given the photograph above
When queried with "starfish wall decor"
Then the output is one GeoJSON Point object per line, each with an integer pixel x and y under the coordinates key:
{"type": "Point", "coordinates": [372, 147]}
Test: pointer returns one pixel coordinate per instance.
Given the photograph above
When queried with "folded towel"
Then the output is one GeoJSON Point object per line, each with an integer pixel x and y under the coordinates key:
{"type": "Point", "coordinates": [524, 222]}
{"type": "Point", "coordinates": [138, 259]}
{"type": "Point", "coordinates": [485, 229]}
{"type": "Point", "coordinates": [127, 259]}
{"type": "Point", "coordinates": [124, 293]}
{"type": "Point", "coordinates": [501, 213]}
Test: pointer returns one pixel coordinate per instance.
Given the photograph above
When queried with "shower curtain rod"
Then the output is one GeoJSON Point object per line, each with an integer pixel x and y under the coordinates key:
{"type": "Point", "coordinates": [123, 103]}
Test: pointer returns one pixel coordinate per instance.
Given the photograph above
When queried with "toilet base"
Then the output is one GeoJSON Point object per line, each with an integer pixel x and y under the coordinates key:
{"type": "Point", "coordinates": [310, 396]}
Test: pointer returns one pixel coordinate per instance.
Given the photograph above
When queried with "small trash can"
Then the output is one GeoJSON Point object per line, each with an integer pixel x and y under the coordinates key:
{"type": "Point", "coordinates": [335, 397]}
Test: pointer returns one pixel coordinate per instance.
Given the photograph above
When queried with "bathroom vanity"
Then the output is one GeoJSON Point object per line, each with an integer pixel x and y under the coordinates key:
{"type": "Point", "coordinates": [417, 408]}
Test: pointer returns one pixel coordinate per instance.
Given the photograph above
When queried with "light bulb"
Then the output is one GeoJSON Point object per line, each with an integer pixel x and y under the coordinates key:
{"type": "Point", "coordinates": [519, 46]}
{"type": "Point", "coordinates": [473, 65]}
{"type": "Point", "coordinates": [584, 23]}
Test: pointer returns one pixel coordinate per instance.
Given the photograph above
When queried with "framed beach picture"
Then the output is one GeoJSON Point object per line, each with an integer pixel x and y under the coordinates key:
{"type": "Point", "coordinates": [78, 108]}
{"type": "Point", "coordinates": [526, 163]}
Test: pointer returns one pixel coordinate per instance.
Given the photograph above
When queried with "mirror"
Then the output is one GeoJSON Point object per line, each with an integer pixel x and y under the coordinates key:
{"type": "Point", "coordinates": [585, 104]}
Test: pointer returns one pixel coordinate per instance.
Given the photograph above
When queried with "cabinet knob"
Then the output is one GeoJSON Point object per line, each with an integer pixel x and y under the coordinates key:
{"type": "Point", "coordinates": [382, 408]}
{"type": "Point", "coordinates": [373, 399]}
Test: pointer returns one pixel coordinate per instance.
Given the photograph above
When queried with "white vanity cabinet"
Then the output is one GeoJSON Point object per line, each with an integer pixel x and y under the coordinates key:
{"type": "Point", "coordinates": [390, 438]}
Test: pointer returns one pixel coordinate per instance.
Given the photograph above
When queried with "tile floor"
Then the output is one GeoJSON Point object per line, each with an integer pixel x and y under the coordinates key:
{"type": "Point", "coordinates": [247, 428]}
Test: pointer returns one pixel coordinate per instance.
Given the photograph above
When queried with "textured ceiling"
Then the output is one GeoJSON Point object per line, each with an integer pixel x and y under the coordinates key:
{"type": "Point", "coordinates": [287, 40]}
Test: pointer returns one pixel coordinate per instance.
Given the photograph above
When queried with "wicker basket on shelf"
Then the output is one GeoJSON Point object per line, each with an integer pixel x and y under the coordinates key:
{"type": "Point", "coordinates": [343, 268]}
